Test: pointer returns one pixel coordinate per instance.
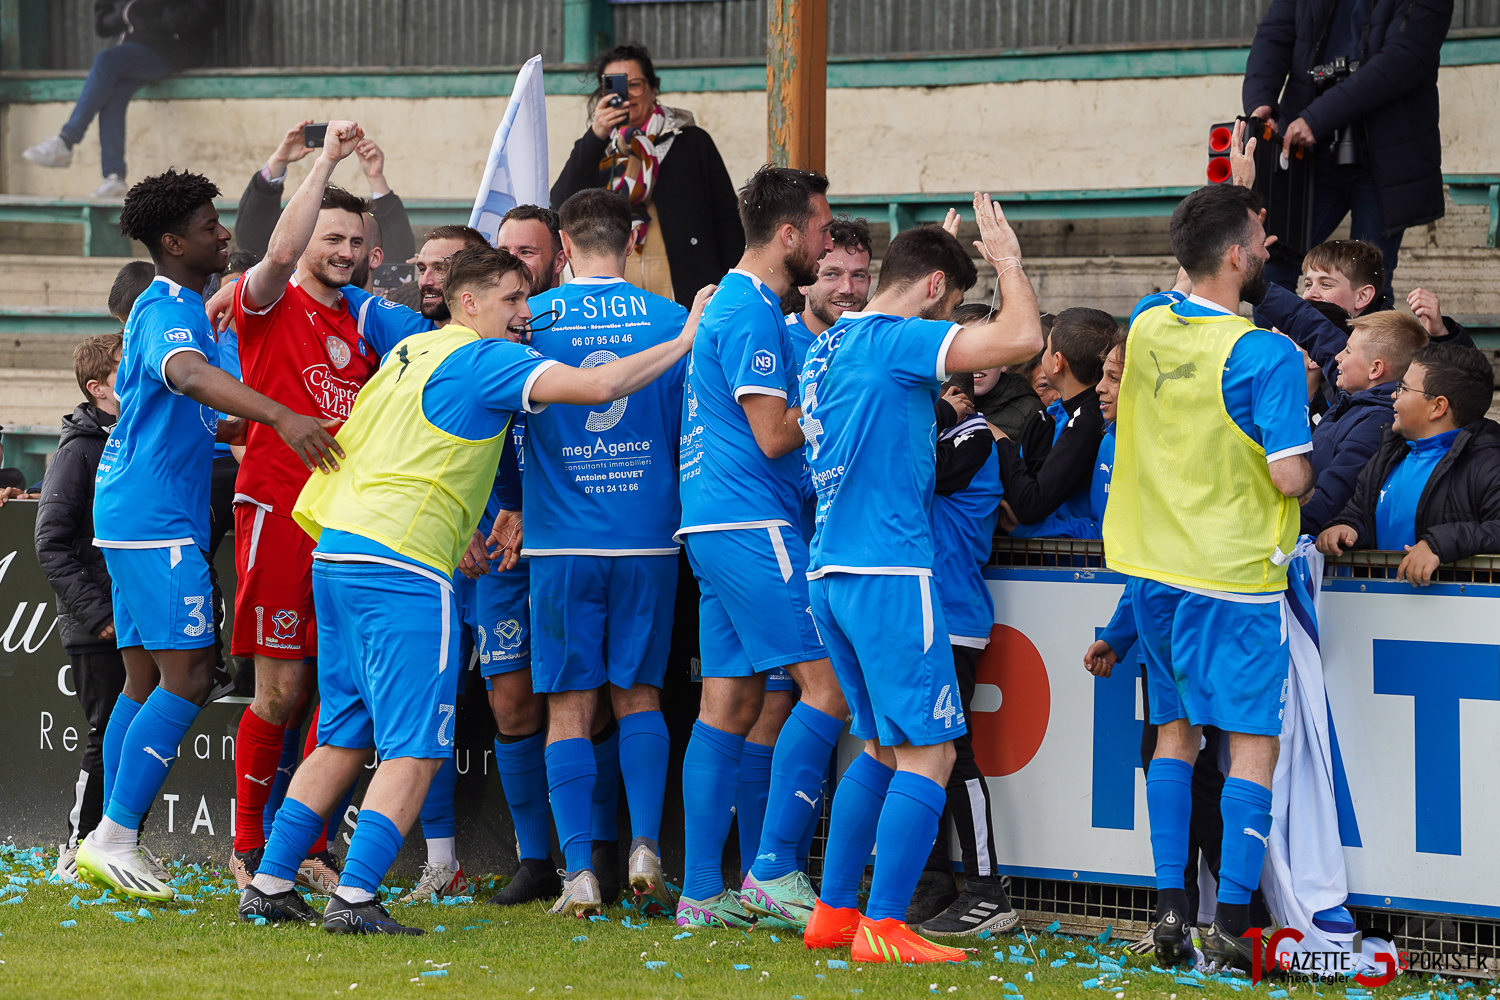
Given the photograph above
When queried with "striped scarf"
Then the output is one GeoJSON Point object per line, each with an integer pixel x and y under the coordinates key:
{"type": "Point", "coordinates": [633, 160]}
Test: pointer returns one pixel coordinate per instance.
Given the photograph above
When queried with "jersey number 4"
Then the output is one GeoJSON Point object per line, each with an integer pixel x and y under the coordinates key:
{"type": "Point", "coordinates": [944, 708]}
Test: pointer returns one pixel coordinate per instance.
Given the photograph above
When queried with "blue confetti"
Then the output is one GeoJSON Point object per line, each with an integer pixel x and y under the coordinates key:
{"type": "Point", "coordinates": [653, 966]}
{"type": "Point", "coordinates": [984, 935]}
{"type": "Point", "coordinates": [68, 923]}
{"type": "Point", "coordinates": [435, 973]}
{"type": "Point", "coordinates": [1159, 970]}
{"type": "Point", "coordinates": [1021, 960]}
{"type": "Point", "coordinates": [1043, 953]}
{"type": "Point", "coordinates": [1070, 954]}
{"type": "Point", "coordinates": [1086, 965]}
{"type": "Point", "coordinates": [471, 927]}
{"type": "Point", "coordinates": [74, 901]}
{"type": "Point", "coordinates": [596, 918]}
{"type": "Point", "coordinates": [1277, 995]}
{"type": "Point", "coordinates": [143, 912]}
{"type": "Point", "coordinates": [1108, 930]}
{"type": "Point", "coordinates": [1185, 980]}
{"type": "Point", "coordinates": [124, 917]}
{"type": "Point", "coordinates": [775, 939]}
{"type": "Point", "coordinates": [1058, 963]}
{"type": "Point", "coordinates": [1012, 988]}
{"type": "Point", "coordinates": [677, 974]}
{"type": "Point", "coordinates": [438, 929]}
{"type": "Point", "coordinates": [1089, 984]}
{"type": "Point", "coordinates": [12, 901]}
{"type": "Point", "coordinates": [740, 968]}
{"type": "Point", "coordinates": [1030, 978]}
{"type": "Point", "coordinates": [684, 934]}
{"type": "Point", "coordinates": [837, 963]}
{"type": "Point", "coordinates": [1053, 927]}
{"type": "Point", "coordinates": [580, 939]}
{"type": "Point", "coordinates": [183, 913]}
{"type": "Point", "coordinates": [819, 975]}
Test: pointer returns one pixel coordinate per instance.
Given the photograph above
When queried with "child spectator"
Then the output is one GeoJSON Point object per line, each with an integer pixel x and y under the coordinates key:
{"type": "Point", "coordinates": [1108, 390]}
{"type": "Point", "coordinates": [75, 568]}
{"type": "Point", "coordinates": [1433, 488]}
{"type": "Point", "coordinates": [1365, 365]}
{"type": "Point", "coordinates": [1006, 399]}
{"type": "Point", "coordinates": [1047, 474]}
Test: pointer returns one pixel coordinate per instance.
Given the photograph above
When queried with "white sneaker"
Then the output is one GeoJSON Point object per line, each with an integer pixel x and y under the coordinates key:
{"type": "Point", "coordinates": [580, 896]}
{"type": "Point", "coordinates": [51, 152]}
{"type": "Point", "coordinates": [112, 187]}
{"type": "Point", "coordinates": [120, 868]}
{"type": "Point", "coordinates": [67, 862]}
{"type": "Point", "coordinates": [438, 880]}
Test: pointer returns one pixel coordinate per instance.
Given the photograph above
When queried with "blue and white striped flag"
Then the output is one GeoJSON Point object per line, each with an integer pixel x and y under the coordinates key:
{"type": "Point", "coordinates": [516, 172]}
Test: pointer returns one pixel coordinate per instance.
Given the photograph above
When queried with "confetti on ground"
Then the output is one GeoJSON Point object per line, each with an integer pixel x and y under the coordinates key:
{"type": "Point", "coordinates": [438, 929]}
{"type": "Point", "coordinates": [143, 912]}
{"type": "Point", "coordinates": [653, 966]}
{"type": "Point", "coordinates": [775, 939]}
{"type": "Point", "coordinates": [68, 923]}
{"type": "Point", "coordinates": [1058, 963]}
{"type": "Point", "coordinates": [684, 934]}
{"type": "Point", "coordinates": [1089, 984]}
{"type": "Point", "coordinates": [837, 963]}
{"type": "Point", "coordinates": [740, 968]}
{"type": "Point", "coordinates": [1185, 980]}
{"type": "Point", "coordinates": [1053, 927]}
{"type": "Point", "coordinates": [580, 939]}
{"type": "Point", "coordinates": [436, 972]}
{"type": "Point", "coordinates": [123, 917]}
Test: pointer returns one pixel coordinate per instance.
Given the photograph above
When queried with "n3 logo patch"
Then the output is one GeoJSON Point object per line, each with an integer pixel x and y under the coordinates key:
{"type": "Point", "coordinates": [178, 336]}
{"type": "Point", "coordinates": [763, 362]}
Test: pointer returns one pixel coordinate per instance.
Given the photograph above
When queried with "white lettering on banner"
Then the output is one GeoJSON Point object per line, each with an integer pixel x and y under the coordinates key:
{"type": "Point", "coordinates": [70, 739]}
{"type": "Point", "coordinates": [203, 746]}
{"type": "Point", "coordinates": [171, 801]}
{"type": "Point", "coordinates": [62, 685]}
{"type": "Point", "coordinates": [1416, 722]}
{"type": "Point", "coordinates": [36, 619]}
{"type": "Point", "coordinates": [46, 743]}
{"type": "Point", "coordinates": [226, 748]}
{"type": "Point", "coordinates": [332, 395]}
{"type": "Point", "coordinates": [202, 818]}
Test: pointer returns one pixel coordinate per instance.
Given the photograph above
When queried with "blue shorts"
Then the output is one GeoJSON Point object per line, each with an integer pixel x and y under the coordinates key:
{"type": "Point", "coordinates": [600, 618]}
{"type": "Point", "coordinates": [889, 646]}
{"type": "Point", "coordinates": [166, 601]}
{"type": "Point", "coordinates": [387, 659]}
{"type": "Point", "coordinates": [1211, 661]}
{"type": "Point", "coordinates": [753, 615]}
{"type": "Point", "coordinates": [496, 610]}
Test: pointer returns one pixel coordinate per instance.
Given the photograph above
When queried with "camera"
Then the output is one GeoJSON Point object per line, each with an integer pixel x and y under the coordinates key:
{"type": "Point", "coordinates": [313, 136]}
{"type": "Point", "coordinates": [616, 89]}
{"type": "Point", "coordinates": [1347, 151]}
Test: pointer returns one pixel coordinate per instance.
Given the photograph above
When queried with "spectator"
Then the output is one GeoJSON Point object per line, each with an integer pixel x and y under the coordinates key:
{"type": "Point", "coordinates": [1348, 273]}
{"type": "Point", "coordinates": [154, 40]}
{"type": "Point", "coordinates": [533, 234]}
{"type": "Point", "coordinates": [260, 204]}
{"type": "Point", "coordinates": [1429, 312]}
{"type": "Point", "coordinates": [1433, 489]}
{"type": "Point", "coordinates": [1005, 399]}
{"type": "Point", "coordinates": [687, 227]}
{"type": "Point", "coordinates": [1108, 390]}
{"type": "Point", "coordinates": [1365, 365]}
{"type": "Point", "coordinates": [130, 282]}
{"type": "Point", "coordinates": [75, 568]}
{"type": "Point", "coordinates": [1378, 151]}
{"type": "Point", "coordinates": [1036, 377]}
{"type": "Point", "coordinates": [1047, 474]}
{"type": "Point", "coordinates": [842, 285]}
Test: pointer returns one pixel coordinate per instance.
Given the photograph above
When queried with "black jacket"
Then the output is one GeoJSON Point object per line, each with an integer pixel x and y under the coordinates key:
{"type": "Point", "coordinates": [177, 30]}
{"type": "Point", "coordinates": [1394, 93]}
{"type": "Point", "coordinates": [695, 203]}
{"type": "Point", "coordinates": [962, 449]}
{"type": "Point", "coordinates": [1051, 473]}
{"type": "Point", "coordinates": [260, 210]}
{"type": "Point", "coordinates": [65, 531]}
{"type": "Point", "coordinates": [1458, 514]}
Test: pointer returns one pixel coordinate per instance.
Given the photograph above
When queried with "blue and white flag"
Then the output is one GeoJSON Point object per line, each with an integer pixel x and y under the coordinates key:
{"type": "Point", "coordinates": [516, 172]}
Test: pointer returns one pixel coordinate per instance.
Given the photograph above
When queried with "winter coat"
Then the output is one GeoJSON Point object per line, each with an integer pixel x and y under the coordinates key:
{"type": "Point", "coordinates": [1458, 513]}
{"type": "Point", "coordinates": [65, 532]}
{"type": "Point", "coordinates": [1394, 93]}
{"type": "Point", "coordinates": [177, 30]}
{"type": "Point", "coordinates": [695, 204]}
{"type": "Point", "coordinates": [1010, 404]}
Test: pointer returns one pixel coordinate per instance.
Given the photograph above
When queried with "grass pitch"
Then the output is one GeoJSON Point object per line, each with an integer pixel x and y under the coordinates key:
{"type": "Point", "coordinates": [57, 941]}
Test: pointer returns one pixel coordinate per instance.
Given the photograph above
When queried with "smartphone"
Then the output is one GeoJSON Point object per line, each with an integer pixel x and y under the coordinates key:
{"type": "Point", "coordinates": [616, 89]}
{"type": "Point", "coordinates": [313, 135]}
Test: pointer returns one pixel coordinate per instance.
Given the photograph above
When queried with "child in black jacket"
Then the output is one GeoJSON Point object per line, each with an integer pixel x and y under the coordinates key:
{"type": "Point", "coordinates": [1432, 490]}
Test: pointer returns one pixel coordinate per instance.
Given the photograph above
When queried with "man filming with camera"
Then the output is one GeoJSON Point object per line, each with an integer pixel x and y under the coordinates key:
{"type": "Point", "coordinates": [1355, 81]}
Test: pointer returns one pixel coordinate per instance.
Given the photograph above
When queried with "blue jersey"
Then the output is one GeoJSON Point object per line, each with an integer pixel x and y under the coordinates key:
{"type": "Point", "coordinates": [802, 339]}
{"type": "Point", "coordinates": [1265, 381]}
{"type": "Point", "coordinates": [868, 391]}
{"type": "Point", "coordinates": [383, 324]}
{"type": "Point", "coordinates": [1104, 470]}
{"type": "Point", "coordinates": [151, 490]}
{"type": "Point", "coordinates": [229, 360]}
{"type": "Point", "coordinates": [963, 530]}
{"type": "Point", "coordinates": [604, 481]}
{"type": "Point", "coordinates": [741, 349]}
{"type": "Point", "coordinates": [1396, 510]}
{"type": "Point", "coordinates": [1071, 519]}
{"type": "Point", "coordinates": [473, 395]}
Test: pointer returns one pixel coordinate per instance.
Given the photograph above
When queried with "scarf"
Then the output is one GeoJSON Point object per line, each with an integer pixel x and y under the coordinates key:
{"type": "Point", "coordinates": [633, 160]}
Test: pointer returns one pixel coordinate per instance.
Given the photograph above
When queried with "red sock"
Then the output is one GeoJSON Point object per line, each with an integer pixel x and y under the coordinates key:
{"type": "Point", "coordinates": [257, 752]}
{"type": "Point", "coordinates": [321, 844]}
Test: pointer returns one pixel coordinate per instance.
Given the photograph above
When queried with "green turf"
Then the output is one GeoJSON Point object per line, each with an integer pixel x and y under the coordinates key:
{"type": "Point", "coordinates": [200, 949]}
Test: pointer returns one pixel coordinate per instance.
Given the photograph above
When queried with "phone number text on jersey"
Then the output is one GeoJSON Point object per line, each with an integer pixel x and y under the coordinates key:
{"type": "Point", "coordinates": [602, 339]}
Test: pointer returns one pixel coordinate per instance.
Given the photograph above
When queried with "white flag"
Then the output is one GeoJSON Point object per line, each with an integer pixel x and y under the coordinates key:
{"type": "Point", "coordinates": [516, 172]}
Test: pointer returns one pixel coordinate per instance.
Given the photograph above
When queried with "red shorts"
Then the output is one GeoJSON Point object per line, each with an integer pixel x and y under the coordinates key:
{"type": "Point", "coordinates": [273, 602]}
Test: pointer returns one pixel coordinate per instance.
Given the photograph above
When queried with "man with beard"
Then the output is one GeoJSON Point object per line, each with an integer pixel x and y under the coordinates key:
{"type": "Point", "coordinates": [741, 482]}
{"type": "Point", "coordinates": [533, 234]}
{"type": "Point", "coordinates": [307, 343]}
{"type": "Point", "coordinates": [1204, 517]}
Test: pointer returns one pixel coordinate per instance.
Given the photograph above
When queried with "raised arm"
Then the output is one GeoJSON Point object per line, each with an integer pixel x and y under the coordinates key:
{"type": "Point", "coordinates": [294, 230]}
{"type": "Point", "coordinates": [1015, 335]}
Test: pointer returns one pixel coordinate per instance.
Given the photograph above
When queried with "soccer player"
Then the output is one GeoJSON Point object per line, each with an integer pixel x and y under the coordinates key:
{"type": "Point", "coordinates": [842, 283]}
{"type": "Point", "coordinates": [741, 501]}
{"type": "Point", "coordinates": [151, 509]}
{"type": "Point", "coordinates": [531, 232]}
{"type": "Point", "coordinates": [1203, 517]}
{"type": "Point", "coordinates": [388, 541]}
{"type": "Point", "coordinates": [303, 341]}
{"type": "Point", "coordinates": [601, 492]}
{"type": "Point", "coordinates": [868, 390]}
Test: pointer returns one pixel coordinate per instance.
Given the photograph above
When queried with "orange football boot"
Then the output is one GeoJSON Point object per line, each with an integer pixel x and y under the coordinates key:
{"type": "Point", "coordinates": [890, 940]}
{"type": "Point", "coordinates": [831, 927]}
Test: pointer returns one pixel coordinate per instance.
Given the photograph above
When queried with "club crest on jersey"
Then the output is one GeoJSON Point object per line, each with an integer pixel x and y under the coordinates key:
{"type": "Point", "coordinates": [285, 621]}
{"type": "Point", "coordinates": [508, 633]}
{"type": "Point", "coordinates": [764, 362]}
{"type": "Point", "coordinates": [178, 336]}
{"type": "Point", "coordinates": [338, 351]}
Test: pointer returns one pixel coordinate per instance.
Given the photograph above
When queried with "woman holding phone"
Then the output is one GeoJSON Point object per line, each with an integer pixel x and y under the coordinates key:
{"type": "Point", "coordinates": [686, 216]}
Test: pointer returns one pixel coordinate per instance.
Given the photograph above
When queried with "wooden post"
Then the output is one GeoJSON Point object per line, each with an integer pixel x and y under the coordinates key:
{"type": "Point", "coordinates": [797, 83]}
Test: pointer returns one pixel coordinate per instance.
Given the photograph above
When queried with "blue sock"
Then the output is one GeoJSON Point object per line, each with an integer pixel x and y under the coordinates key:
{"type": "Point", "coordinates": [644, 751]}
{"type": "Point", "coordinates": [1169, 805]}
{"type": "Point", "coordinates": [851, 829]}
{"type": "Point", "coordinates": [797, 769]}
{"type": "Point", "coordinates": [908, 824]}
{"type": "Point", "coordinates": [437, 808]}
{"type": "Point", "coordinates": [604, 822]}
{"type": "Point", "coordinates": [336, 820]}
{"type": "Point", "coordinates": [571, 776]}
{"type": "Point", "coordinates": [523, 777]}
{"type": "Point", "coordinates": [147, 753]}
{"type": "Point", "coordinates": [710, 784]}
{"type": "Point", "coordinates": [371, 851]}
{"type": "Point", "coordinates": [294, 831]}
{"type": "Point", "coordinates": [120, 718]}
{"type": "Point", "coordinates": [291, 745]}
{"type": "Point", "coordinates": [1246, 807]}
{"type": "Point", "coordinates": [804, 849]}
{"type": "Point", "coordinates": [750, 804]}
